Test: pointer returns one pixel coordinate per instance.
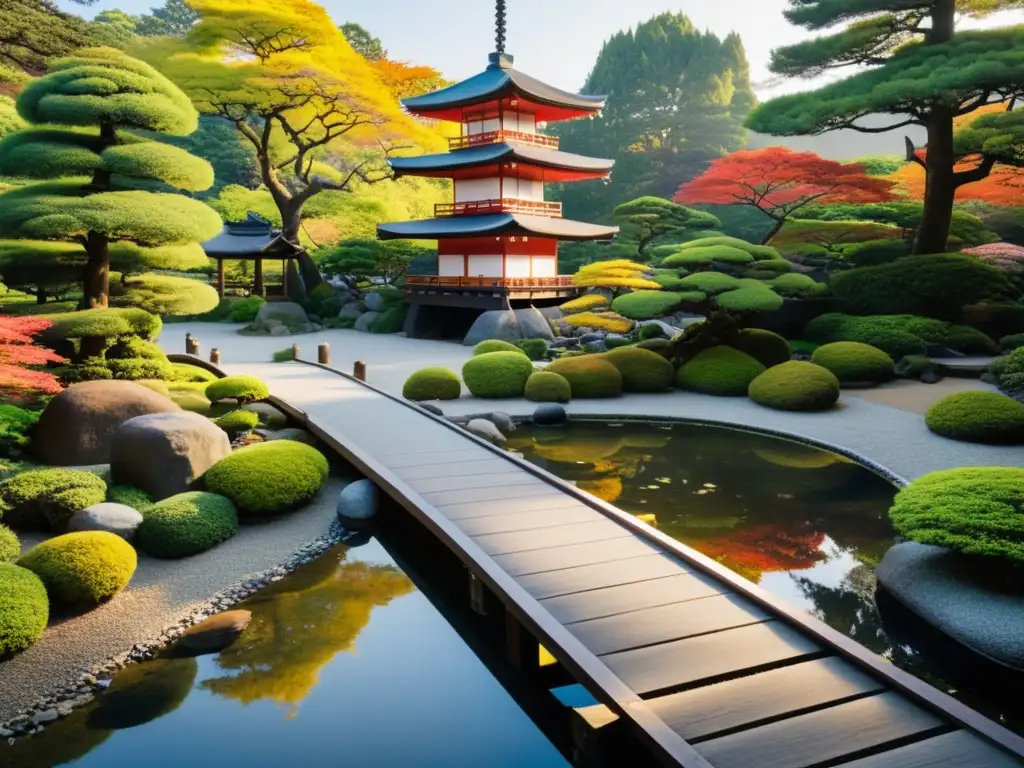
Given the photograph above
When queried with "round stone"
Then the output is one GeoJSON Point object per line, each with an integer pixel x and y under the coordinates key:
{"type": "Point", "coordinates": [549, 415]}
{"type": "Point", "coordinates": [358, 500]}
{"type": "Point", "coordinates": [216, 633]}
{"type": "Point", "coordinates": [485, 429]}
{"type": "Point", "coordinates": [113, 518]}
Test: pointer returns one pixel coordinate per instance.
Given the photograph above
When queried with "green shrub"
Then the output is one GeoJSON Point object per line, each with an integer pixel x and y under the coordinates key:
{"type": "Point", "coordinates": [803, 347]}
{"type": "Point", "coordinates": [897, 335]}
{"type": "Point", "coordinates": [269, 478]}
{"type": "Point", "coordinates": [10, 547]}
{"type": "Point", "coordinates": [651, 331]}
{"type": "Point", "coordinates": [772, 267]}
{"type": "Point", "coordinates": [915, 366]}
{"type": "Point", "coordinates": [644, 305]}
{"type": "Point", "coordinates": [186, 524]}
{"type": "Point", "coordinates": [764, 346]}
{"type": "Point", "coordinates": [133, 347]}
{"type": "Point", "coordinates": [82, 569]}
{"type": "Point", "coordinates": [1007, 372]}
{"type": "Point", "coordinates": [641, 369]}
{"type": "Point", "coordinates": [588, 303]}
{"type": "Point", "coordinates": [245, 310]}
{"type": "Point", "coordinates": [759, 252]}
{"type": "Point", "coordinates": [237, 421]}
{"type": "Point", "coordinates": [104, 323]}
{"type": "Point", "coordinates": [670, 282]}
{"type": "Point", "coordinates": [711, 282]}
{"type": "Point", "coordinates": [283, 356]}
{"type": "Point", "coordinates": [547, 387]}
{"type": "Point", "coordinates": [996, 319]}
{"type": "Point", "coordinates": [391, 320]}
{"type": "Point", "coordinates": [185, 372]}
{"type": "Point", "coordinates": [654, 345]}
{"type": "Point", "coordinates": [16, 425]}
{"type": "Point", "coordinates": [497, 374]}
{"type": "Point", "coordinates": [132, 370]}
{"type": "Point", "coordinates": [797, 286]}
{"type": "Point", "coordinates": [938, 285]}
{"type": "Point", "coordinates": [871, 253]}
{"type": "Point", "coordinates": [978, 417]}
{"type": "Point", "coordinates": [588, 376]}
{"type": "Point", "coordinates": [49, 496]}
{"type": "Point", "coordinates": [244, 389]}
{"type": "Point", "coordinates": [970, 341]}
{"type": "Point", "coordinates": [720, 371]}
{"type": "Point", "coordinates": [434, 383]}
{"type": "Point", "coordinates": [24, 609]}
{"type": "Point", "coordinates": [190, 400]}
{"type": "Point", "coordinates": [535, 349]}
{"type": "Point", "coordinates": [324, 301]}
{"type": "Point", "coordinates": [854, 363]}
{"type": "Point", "coordinates": [750, 299]}
{"type": "Point", "coordinates": [495, 345]}
{"type": "Point", "coordinates": [975, 510]}
{"type": "Point", "coordinates": [1007, 343]}
{"type": "Point", "coordinates": [130, 496]}
{"type": "Point", "coordinates": [796, 386]}
{"type": "Point", "coordinates": [704, 255]}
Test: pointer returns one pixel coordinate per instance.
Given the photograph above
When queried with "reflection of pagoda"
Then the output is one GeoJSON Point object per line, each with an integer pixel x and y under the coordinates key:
{"type": "Point", "coordinates": [498, 240]}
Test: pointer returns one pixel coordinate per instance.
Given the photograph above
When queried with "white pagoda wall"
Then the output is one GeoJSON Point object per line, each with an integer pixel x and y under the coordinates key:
{"type": "Point", "coordinates": [524, 189]}
{"type": "Point", "coordinates": [493, 189]}
{"type": "Point", "coordinates": [545, 266]}
{"type": "Point", "coordinates": [450, 266]}
{"type": "Point", "coordinates": [523, 122]}
{"type": "Point", "coordinates": [485, 265]}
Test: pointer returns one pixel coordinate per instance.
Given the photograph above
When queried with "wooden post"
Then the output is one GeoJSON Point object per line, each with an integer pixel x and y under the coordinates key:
{"type": "Point", "coordinates": [258, 279]}
{"type": "Point", "coordinates": [476, 595]}
{"type": "Point", "coordinates": [284, 277]}
{"type": "Point", "coordinates": [220, 278]}
{"type": "Point", "coordinates": [295, 351]}
{"type": "Point", "coordinates": [522, 651]}
{"type": "Point", "coordinates": [191, 344]}
{"type": "Point", "coordinates": [323, 354]}
{"type": "Point", "coordinates": [359, 370]}
{"type": "Point", "coordinates": [215, 356]}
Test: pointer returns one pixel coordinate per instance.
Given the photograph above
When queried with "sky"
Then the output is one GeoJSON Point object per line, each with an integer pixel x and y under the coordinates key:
{"type": "Point", "coordinates": [554, 40]}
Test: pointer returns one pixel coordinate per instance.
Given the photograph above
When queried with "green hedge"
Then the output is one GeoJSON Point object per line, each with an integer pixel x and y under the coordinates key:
{"type": "Point", "coordinates": [244, 389]}
{"type": "Point", "coordinates": [134, 347]}
{"type": "Point", "coordinates": [10, 547]}
{"type": "Point", "coordinates": [711, 282]}
{"type": "Point", "coordinates": [82, 569]}
{"type": "Point", "coordinates": [16, 425]}
{"type": "Point", "coordinates": [797, 286]}
{"type": "Point", "coordinates": [969, 341]}
{"type": "Point", "coordinates": [186, 524]}
{"type": "Point", "coordinates": [641, 369]}
{"type": "Point", "coordinates": [391, 320]}
{"type": "Point", "coordinates": [1011, 342]}
{"type": "Point", "coordinates": [722, 371]}
{"type": "Point", "coordinates": [495, 345]}
{"type": "Point", "coordinates": [548, 387]}
{"type": "Point", "coordinates": [897, 335]}
{"type": "Point", "coordinates": [645, 305]}
{"type": "Point", "coordinates": [238, 421]}
{"type": "Point", "coordinates": [269, 478]}
{"type": "Point", "coordinates": [978, 417]}
{"type": "Point", "coordinates": [245, 310]}
{"type": "Point", "coordinates": [759, 252]}
{"type": "Point", "coordinates": [49, 497]}
{"type": "Point", "coordinates": [130, 496]}
{"type": "Point", "coordinates": [433, 383]}
{"type": "Point", "coordinates": [855, 363]}
{"type": "Point", "coordinates": [796, 386]}
{"type": "Point", "coordinates": [497, 374]}
{"type": "Point", "coordinates": [705, 255]}
{"type": "Point", "coordinates": [24, 609]}
{"type": "Point", "coordinates": [975, 510]}
{"type": "Point", "coordinates": [764, 346]}
{"type": "Point", "coordinates": [589, 376]}
{"type": "Point", "coordinates": [535, 349]}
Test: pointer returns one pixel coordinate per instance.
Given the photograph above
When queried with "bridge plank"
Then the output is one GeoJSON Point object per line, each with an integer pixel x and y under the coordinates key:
{"type": "Point", "coordinates": [536, 561]}
{"type": "Point", "coordinates": [466, 482]}
{"type": "Point", "coordinates": [396, 461]}
{"type": "Point", "coordinates": [959, 749]}
{"type": "Point", "coordinates": [481, 464]}
{"type": "Point", "coordinates": [696, 659]}
{"type": "Point", "coordinates": [470, 509]}
{"type": "Point", "coordinates": [586, 577]}
{"type": "Point", "coordinates": [821, 736]}
{"type": "Point", "coordinates": [520, 490]}
{"type": "Point", "coordinates": [547, 538]}
{"type": "Point", "coordinates": [534, 520]}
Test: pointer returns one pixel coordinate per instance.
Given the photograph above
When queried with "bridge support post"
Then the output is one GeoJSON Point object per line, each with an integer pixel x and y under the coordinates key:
{"type": "Point", "coordinates": [477, 599]}
{"type": "Point", "coordinates": [521, 648]}
{"type": "Point", "coordinates": [295, 351]}
{"type": "Point", "coordinates": [215, 356]}
{"type": "Point", "coordinates": [323, 354]}
{"type": "Point", "coordinates": [191, 344]}
{"type": "Point", "coordinates": [359, 370]}
{"type": "Point", "coordinates": [599, 740]}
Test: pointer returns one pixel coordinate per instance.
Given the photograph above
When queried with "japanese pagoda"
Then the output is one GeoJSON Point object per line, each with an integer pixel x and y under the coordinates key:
{"type": "Point", "coordinates": [498, 239]}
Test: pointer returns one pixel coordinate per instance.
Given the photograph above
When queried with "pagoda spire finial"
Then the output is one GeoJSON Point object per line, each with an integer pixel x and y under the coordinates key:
{"type": "Point", "coordinates": [499, 26]}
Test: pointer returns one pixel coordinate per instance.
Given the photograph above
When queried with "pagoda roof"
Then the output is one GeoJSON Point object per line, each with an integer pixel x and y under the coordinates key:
{"type": "Point", "coordinates": [494, 224]}
{"type": "Point", "coordinates": [253, 237]}
{"type": "Point", "coordinates": [499, 81]}
{"type": "Point", "coordinates": [490, 154]}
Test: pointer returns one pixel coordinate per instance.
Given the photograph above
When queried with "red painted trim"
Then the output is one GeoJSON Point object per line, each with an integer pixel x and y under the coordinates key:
{"type": "Point", "coordinates": [504, 257]}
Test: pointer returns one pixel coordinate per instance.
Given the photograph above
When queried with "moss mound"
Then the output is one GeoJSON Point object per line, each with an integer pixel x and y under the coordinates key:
{"type": "Point", "coordinates": [24, 609]}
{"type": "Point", "coordinates": [611, 322]}
{"type": "Point", "coordinates": [244, 389]}
{"type": "Point", "coordinates": [48, 497]}
{"type": "Point", "coordinates": [722, 371]}
{"type": "Point", "coordinates": [974, 510]}
{"type": "Point", "coordinates": [130, 496]}
{"type": "Point", "coordinates": [764, 346]}
{"type": "Point", "coordinates": [269, 478]}
{"type": "Point", "coordinates": [978, 417]}
{"type": "Point", "coordinates": [82, 569]}
{"type": "Point", "coordinates": [535, 349]}
{"type": "Point", "coordinates": [495, 345]}
{"type": "Point", "coordinates": [588, 303]}
{"type": "Point", "coordinates": [548, 387]}
{"type": "Point", "coordinates": [433, 383]}
{"type": "Point", "coordinates": [644, 305]}
{"type": "Point", "coordinates": [238, 421]}
{"type": "Point", "coordinates": [497, 374]}
{"type": "Point", "coordinates": [796, 386]}
{"type": "Point", "coordinates": [186, 524]}
{"type": "Point", "coordinates": [10, 547]}
{"type": "Point", "coordinates": [641, 369]}
{"type": "Point", "coordinates": [186, 372]}
{"type": "Point", "coordinates": [589, 376]}
{"type": "Point", "coordinates": [853, 362]}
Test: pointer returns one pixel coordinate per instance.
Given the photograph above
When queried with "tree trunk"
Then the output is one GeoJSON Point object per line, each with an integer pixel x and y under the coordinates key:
{"type": "Point", "coordinates": [308, 270]}
{"type": "Point", "coordinates": [96, 278]}
{"type": "Point", "coordinates": [773, 231]}
{"type": "Point", "coordinates": [41, 295]}
{"type": "Point", "coordinates": [940, 186]}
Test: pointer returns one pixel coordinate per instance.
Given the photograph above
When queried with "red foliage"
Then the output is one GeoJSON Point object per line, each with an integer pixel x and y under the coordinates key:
{"type": "Point", "coordinates": [18, 381]}
{"type": "Point", "coordinates": [779, 182]}
{"type": "Point", "coordinates": [756, 549]}
{"type": "Point", "coordinates": [1003, 186]}
{"type": "Point", "coordinates": [20, 330]}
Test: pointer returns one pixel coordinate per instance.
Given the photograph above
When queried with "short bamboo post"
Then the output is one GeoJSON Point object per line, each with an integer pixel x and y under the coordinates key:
{"type": "Point", "coordinates": [323, 354]}
{"type": "Point", "coordinates": [190, 344]}
{"type": "Point", "coordinates": [295, 351]}
{"type": "Point", "coordinates": [359, 370]}
{"type": "Point", "coordinates": [215, 356]}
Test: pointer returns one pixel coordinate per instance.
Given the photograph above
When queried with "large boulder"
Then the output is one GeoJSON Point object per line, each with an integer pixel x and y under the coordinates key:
{"type": "Point", "coordinates": [351, 311]}
{"type": "Point", "coordinates": [950, 593]}
{"type": "Point", "coordinates": [114, 518]}
{"type": "Point", "coordinates": [485, 429]}
{"type": "Point", "coordinates": [286, 311]}
{"type": "Point", "coordinates": [533, 324]}
{"type": "Point", "coordinates": [163, 453]}
{"type": "Point", "coordinates": [77, 425]}
{"type": "Point", "coordinates": [374, 302]}
{"type": "Point", "coordinates": [365, 321]}
{"type": "Point", "coordinates": [493, 324]}
{"type": "Point", "coordinates": [215, 633]}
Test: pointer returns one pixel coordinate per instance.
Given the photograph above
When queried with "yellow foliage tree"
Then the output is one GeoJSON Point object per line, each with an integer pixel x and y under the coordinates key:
{"type": "Point", "coordinates": [615, 275]}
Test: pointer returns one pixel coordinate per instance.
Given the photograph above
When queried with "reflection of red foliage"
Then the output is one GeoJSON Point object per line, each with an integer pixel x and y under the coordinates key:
{"type": "Point", "coordinates": [17, 351]}
{"type": "Point", "coordinates": [755, 549]}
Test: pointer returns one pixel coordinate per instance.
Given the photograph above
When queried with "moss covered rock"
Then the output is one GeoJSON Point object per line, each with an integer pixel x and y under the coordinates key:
{"type": "Point", "coordinates": [24, 609]}
{"type": "Point", "coordinates": [269, 478]}
{"type": "Point", "coordinates": [796, 386]}
{"type": "Point", "coordinates": [238, 421]}
{"type": "Point", "coordinates": [978, 417]}
{"type": "Point", "coordinates": [497, 374]}
{"type": "Point", "coordinates": [434, 383]}
{"type": "Point", "coordinates": [186, 524]}
{"type": "Point", "coordinates": [853, 362]}
{"type": "Point", "coordinates": [589, 376]}
{"type": "Point", "coordinates": [644, 305]}
{"type": "Point", "coordinates": [45, 498]}
{"type": "Point", "coordinates": [495, 345]}
{"type": "Point", "coordinates": [722, 371]}
{"type": "Point", "coordinates": [764, 346]}
{"type": "Point", "coordinates": [547, 387]}
{"type": "Point", "coordinates": [82, 569]}
{"type": "Point", "coordinates": [10, 547]}
{"type": "Point", "coordinates": [130, 496]}
{"type": "Point", "coordinates": [244, 389]}
{"type": "Point", "coordinates": [642, 370]}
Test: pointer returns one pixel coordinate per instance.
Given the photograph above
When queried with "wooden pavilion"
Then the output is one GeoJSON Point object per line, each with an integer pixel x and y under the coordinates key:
{"type": "Point", "coordinates": [253, 239]}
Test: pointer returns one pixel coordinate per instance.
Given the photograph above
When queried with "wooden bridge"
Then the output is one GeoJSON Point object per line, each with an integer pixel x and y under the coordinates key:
{"type": "Point", "coordinates": [704, 667]}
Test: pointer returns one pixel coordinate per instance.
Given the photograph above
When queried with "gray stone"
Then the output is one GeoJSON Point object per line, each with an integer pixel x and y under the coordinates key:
{"type": "Point", "coordinates": [533, 324]}
{"type": "Point", "coordinates": [431, 408]}
{"type": "Point", "coordinates": [592, 338]}
{"type": "Point", "coordinates": [46, 716]}
{"type": "Point", "coordinates": [942, 588]}
{"type": "Point", "coordinates": [270, 417]}
{"type": "Point", "coordinates": [107, 516]}
{"type": "Point", "coordinates": [493, 324]}
{"type": "Point", "coordinates": [285, 311]}
{"type": "Point", "coordinates": [617, 337]}
{"type": "Point", "coordinates": [502, 421]}
{"type": "Point", "coordinates": [306, 328]}
{"type": "Point", "coordinates": [271, 324]}
{"type": "Point", "coordinates": [163, 453]}
{"type": "Point", "coordinates": [374, 302]}
{"type": "Point", "coordinates": [549, 415]}
{"type": "Point", "coordinates": [668, 331]}
{"type": "Point", "coordinates": [485, 429]}
{"type": "Point", "coordinates": [215, 633]}
{"type": "Point", "coordinates": [351, 311]}
{"type": "Point", "coordinates": [366, 320]}
{"type": "Point", "coordinates": [565, 342]}
{"type": "Point", "coordinates": [552, 313]}
{"type": "Point", "coordinates": [289, 433]}
{"type": "Point", "coordinates": [358, 500]}
{"type": "Point", "coordinates": [930, 377]}
{"type": "Point", "coordinates": [279, 330]}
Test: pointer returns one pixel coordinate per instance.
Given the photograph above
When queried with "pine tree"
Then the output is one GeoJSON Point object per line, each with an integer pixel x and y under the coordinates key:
{"type": "Point", "coordinates": [33, 30]}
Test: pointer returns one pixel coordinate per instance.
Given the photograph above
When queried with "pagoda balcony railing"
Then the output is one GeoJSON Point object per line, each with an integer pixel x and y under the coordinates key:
{"type": "Point", "coordinates": [501, 283]}
{"type": "Point", "coordinates": [499, 205]}
{"type": "Point", "coordinates": [499, 136]}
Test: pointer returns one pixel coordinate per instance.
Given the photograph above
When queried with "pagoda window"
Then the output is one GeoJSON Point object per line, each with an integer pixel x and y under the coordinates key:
{"type": "Point", "coordinates": [523, 189]}
{"type": "Point", "coordinates": [485, 265]}
{"type": "Point", "coordinates": [469, 190]}
{"type": "Point", "coordinates": [451, 265]}
{"type": "Point", "coordinates": [521, 122]}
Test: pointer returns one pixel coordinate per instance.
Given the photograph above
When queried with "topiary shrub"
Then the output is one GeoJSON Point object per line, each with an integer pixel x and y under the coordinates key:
{"type": "Point", "coordinates": [969, 341]}
{"type": "Point", "coordinates": [1011, 342]}
{"type": "Point", "coordinates": [184, 372]}
{"type": "Point", "coordinates": [535, 349]}
{"type": "Point", "coordinates": [237, 421]}
{"type": "Point", "coordinates": [135, 369]}
{"type": "Point", "coordinates": [24, 609]}
{"type": "Point", "coordinates": [245, 310]}
{"type": "Point", "coordinates": [16, 426]}
{"type": "Point", "coordinates": [497, 374]}
{"type": "Point", "coordinates": [711, 282]}
{"type": "Point", "coordinates": [641, 369]}
{"type": "Point", "coordinates": [48, 497]}
{"type": "Point", "coordinates": [130, 496]}
{"type": "Point", "coordinates": [10, 547]}
{"type": "Point", "coordinates": [855, 363]}
{"type": "Point", "coordinates": [974, 510]}
{"type": "Point", "coordinates": [750, 299]}
{"type": "Point", "coordinates": [588, 303]}
{"type": "Point", "coordinates": [705, 255]}
{"type": "Point", "coordinates": [796, 386]}
{"type": "Point", "coordinates": [547, 387]}
{"type": "Point", "coordinates": [495, 345]}
{"type": "Point", "coordinates": [391, 320]}
{"type": "Point", "coordinates": [797, 286]}
{"type": "Point", "coordinates": [186, 524]}
{"type": "Point", "coordinates": [722, 371]}
{"type": "Point", "coordinates": [589, 376]}
{"type": "Point", "coordinates": [82, 569]}
{"type": "Point", "coordinates": [434, 383]}
{"type": "Point", "coordinates": [244, 389]}
{"type": "Point", "coordinates": [605, 321]}
{"type": "Point", "coordinates": [269, 478]}
{"type": "Point", "coordinates": [978, 417]}
{"type": "Point", "coordinates": [764, 346]}
{"type": "Point", "coordinates": [658, 345]}
{"type": "Point", "coordinates": [896, 335]}
{"type": "Point", "coordinates": [644, 305]}
{"type": "Point", "coordinates": [135, 348]}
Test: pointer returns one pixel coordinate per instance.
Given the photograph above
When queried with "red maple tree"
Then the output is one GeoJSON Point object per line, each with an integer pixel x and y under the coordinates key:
{"type": "Point", "coordinates": [19, 354]}
{"type": "Point", "coordinates": [779, 182]}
